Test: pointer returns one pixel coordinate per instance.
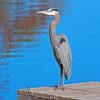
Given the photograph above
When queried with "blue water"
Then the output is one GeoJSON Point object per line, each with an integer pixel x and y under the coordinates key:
{"type": "Point", "coordinates": [26, 58]}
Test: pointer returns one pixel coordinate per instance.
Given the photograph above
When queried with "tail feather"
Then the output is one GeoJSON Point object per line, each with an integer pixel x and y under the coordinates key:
{"type": "Point", "coordinates": [67, 75]}
{"type": "Point", "coordinates": [67, 72]}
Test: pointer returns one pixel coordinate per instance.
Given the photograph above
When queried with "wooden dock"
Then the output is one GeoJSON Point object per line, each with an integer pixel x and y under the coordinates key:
{"type": "Point", "coordinates": [81, 91]}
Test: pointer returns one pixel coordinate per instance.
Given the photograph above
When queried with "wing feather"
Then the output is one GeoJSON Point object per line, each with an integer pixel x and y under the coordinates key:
{"type": "Point", "coordinates": [65, 55]}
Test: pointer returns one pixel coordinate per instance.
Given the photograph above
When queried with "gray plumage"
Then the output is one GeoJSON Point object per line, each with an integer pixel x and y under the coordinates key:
{"type": "Point", "coordinates": [60, 46]}
{"type": "Point", "coordinates": [65, 55]}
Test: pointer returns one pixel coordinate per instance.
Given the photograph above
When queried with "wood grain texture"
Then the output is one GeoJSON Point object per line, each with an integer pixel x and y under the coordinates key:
{"type": "Point", "coordinates": [80, 91]}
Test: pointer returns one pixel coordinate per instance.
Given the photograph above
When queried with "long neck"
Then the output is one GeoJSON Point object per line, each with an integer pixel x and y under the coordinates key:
{"type": "Point", "coordinates": [53, 29]}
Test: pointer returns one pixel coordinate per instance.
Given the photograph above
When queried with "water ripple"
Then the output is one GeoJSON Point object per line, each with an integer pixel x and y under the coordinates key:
{"type": "Point", "coordinates": [20, 32]}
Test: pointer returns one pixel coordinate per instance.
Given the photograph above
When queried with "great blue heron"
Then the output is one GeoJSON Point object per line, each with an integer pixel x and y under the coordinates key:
{"type": "Point", "coordinates": [60, 45]}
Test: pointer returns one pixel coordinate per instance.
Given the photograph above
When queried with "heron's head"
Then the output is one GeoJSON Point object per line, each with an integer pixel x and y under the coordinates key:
{"type": "Point", "coordinates": [51, 11]}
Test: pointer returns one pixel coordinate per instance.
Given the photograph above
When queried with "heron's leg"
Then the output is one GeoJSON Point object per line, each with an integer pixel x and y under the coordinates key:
{"type": "Point", "coordinates": [61, 86]}
{"type": "Point", "coordinates": [62, 78]}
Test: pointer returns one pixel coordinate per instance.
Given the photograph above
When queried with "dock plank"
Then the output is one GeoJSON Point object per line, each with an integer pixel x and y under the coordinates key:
{"type": "Point", "coordinates": [80, 91]}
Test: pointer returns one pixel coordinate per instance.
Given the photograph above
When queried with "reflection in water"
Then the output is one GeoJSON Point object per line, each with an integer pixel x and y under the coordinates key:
{"type": "Point", "coordinates": [19, 25]}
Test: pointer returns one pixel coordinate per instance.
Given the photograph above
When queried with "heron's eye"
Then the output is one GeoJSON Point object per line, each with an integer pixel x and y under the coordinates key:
{"type": "Point", "coordinates": [50, 10]}
{"type": "Point", "coordinates": [62, 40]}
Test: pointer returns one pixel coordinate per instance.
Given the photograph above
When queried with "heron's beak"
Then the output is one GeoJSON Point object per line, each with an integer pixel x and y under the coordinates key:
{"type": "Point", "coordinates": [42, 12]}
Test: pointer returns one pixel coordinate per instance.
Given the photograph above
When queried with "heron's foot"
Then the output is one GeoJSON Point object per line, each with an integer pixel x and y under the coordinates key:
{"type": "Point", "coordinates": [59, 87]}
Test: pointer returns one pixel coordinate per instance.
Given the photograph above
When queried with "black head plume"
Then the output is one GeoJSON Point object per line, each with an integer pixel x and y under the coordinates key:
{"type": "Point", "coordinates": [53, 9]}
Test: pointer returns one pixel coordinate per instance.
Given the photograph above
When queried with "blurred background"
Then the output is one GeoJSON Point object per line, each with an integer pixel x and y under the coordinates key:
{"type": "Point", "coordinates": [26, 57]}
